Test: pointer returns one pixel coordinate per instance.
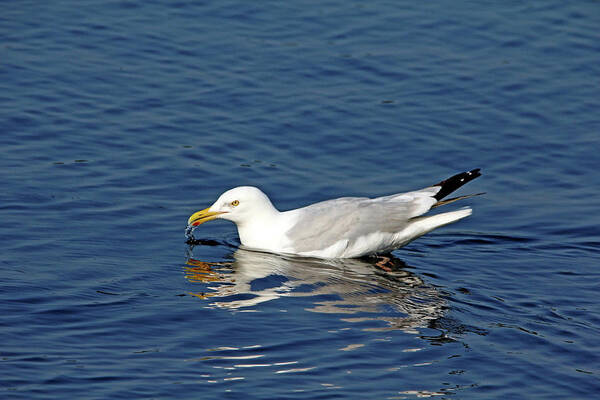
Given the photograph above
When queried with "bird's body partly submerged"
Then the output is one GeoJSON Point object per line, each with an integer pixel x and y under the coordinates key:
{"type": "Point", "coordinates": [347, 227]}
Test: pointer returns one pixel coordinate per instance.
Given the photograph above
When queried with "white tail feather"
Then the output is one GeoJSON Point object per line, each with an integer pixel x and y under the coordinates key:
{"type": "Point", "coordinates": [431, 222]}
{"type": "Point", "coordinates": [422, 225]}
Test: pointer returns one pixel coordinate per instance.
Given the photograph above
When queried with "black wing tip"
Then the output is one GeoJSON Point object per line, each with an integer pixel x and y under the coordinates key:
{"type": "Point", "coordinates": [454, 182]}
{"type": "Point", "coordinates": [475, 172]}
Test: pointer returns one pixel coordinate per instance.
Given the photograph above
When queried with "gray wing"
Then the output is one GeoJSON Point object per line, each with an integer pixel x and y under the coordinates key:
{"type": "Point", "coordinates": [323, 224]}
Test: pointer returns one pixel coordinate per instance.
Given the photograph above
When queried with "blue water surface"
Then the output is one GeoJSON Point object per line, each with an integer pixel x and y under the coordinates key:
{"type": "Point", "coordinates": [119, 119]}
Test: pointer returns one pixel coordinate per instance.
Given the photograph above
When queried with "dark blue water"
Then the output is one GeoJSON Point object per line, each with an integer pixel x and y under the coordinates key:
{"type": "Point", "coordinates": [119, 119]}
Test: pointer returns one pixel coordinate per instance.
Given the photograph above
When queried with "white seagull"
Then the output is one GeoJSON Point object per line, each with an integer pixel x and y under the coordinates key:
{"type": "Point", "coordinates": [347, 227]}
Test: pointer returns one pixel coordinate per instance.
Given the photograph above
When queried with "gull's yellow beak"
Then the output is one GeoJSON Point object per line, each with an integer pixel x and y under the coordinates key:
{"type": "Point", "coordinates": [203, 216]}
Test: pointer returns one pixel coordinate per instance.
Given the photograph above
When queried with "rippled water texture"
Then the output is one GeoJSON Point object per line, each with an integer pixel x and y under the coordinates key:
{"type": "Point", "coordinates": [120, 119]}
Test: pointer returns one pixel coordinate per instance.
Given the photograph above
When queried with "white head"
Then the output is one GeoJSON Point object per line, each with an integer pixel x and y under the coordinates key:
{"type": "Point", "coordinates": [238, 205]}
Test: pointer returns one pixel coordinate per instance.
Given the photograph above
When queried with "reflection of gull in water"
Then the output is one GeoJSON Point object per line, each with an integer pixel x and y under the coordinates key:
{"type": "Point", "coordinates": [361, 289]}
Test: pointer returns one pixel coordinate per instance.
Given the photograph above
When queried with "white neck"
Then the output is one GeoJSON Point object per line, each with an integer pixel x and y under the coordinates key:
{"type": "Point", "coordinates": [262, 230]}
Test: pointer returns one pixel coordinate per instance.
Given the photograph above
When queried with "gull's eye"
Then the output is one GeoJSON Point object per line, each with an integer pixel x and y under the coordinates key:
{"type": "Point", "coordinates": [235, 203]}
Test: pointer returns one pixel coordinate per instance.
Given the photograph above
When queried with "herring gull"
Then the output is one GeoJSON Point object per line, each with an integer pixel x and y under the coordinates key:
{"type": "Point", "coordinates": [347, 227]}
